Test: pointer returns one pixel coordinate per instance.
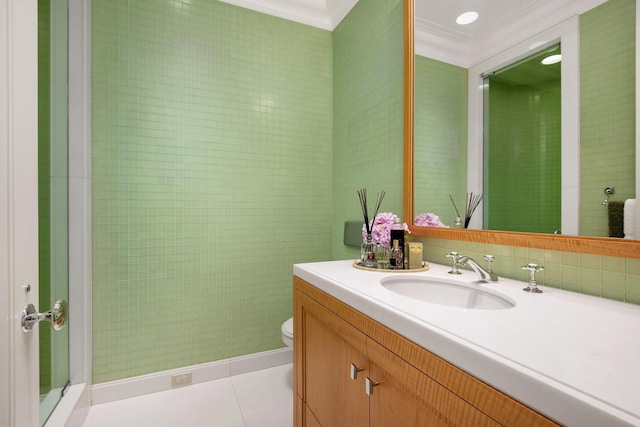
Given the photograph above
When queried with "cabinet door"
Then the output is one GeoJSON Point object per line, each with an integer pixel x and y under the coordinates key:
{"type": "Point", "coordinates": [328, 346]}
{"type": "Point", "coordinates": [404, 396]}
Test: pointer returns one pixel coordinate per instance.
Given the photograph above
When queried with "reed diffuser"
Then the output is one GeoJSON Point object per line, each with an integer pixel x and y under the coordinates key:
{"type": "Point", "coordinates": [367, 251]}
{"type": "Point", "coordinates": [471, 203]}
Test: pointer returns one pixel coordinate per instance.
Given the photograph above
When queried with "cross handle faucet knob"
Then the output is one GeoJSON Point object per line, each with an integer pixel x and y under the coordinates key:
{"type": "Point", "coordinates": [489, 259]}
{"type": "Point", "coordinates": [456, 258]}
{"type": "Point", "coordinates": [533, 269]}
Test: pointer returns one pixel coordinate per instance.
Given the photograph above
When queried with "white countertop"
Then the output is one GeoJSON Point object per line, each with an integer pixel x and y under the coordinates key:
{"type": "Point", "coordinates": [574, 358]}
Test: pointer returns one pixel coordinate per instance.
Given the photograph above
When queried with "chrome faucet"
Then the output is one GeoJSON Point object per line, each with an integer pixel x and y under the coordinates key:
{"type": "Point", "coordinates": [456, 262]}
{"type": "Point", "coordinates": [485, 275]}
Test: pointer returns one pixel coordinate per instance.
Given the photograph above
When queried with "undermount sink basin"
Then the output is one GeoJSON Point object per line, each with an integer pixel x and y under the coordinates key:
{"type": "Point", "coordinates": [441, 291]}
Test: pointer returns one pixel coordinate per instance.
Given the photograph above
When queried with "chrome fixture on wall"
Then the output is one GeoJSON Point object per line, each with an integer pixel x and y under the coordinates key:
{"type": "Point", "coordinates": [608, 191]}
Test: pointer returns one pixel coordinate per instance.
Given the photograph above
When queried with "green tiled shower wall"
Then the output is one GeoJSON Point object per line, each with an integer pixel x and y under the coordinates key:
{"type": "Point", "coordinates": [607, 110]}
{"type": "Point", "coordinates": [523, 178]}
{"type": "Point", "coordinates": [368, 111]}
{"type": "Point", "coordinates": [212, 176]}
{"type": "Point", "coordinates": [440, 137]}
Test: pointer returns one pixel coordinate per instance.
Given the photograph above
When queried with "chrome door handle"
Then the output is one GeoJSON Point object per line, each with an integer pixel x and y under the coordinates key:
{"type": "Point", "coordinates": [57, 316]}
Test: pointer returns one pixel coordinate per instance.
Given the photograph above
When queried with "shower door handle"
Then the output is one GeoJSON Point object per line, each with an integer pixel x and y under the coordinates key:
{"type": "Point", "coordinates": [57, 316]}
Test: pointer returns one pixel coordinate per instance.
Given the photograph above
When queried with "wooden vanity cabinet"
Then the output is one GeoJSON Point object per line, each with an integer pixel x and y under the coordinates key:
{"type": "Point", "coordinates": [409, 386]}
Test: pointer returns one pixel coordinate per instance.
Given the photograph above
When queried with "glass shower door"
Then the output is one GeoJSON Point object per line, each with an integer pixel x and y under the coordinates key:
{"type": "Point", "coordinates": [53, 196]}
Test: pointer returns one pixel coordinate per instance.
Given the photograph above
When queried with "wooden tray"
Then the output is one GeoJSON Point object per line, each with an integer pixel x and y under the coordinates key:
{"type": "Point", "coordinates": [425, 267]}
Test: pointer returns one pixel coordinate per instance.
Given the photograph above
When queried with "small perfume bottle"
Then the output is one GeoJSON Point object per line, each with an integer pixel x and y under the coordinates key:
{"type": "Point", "coordinates": [396, 257]}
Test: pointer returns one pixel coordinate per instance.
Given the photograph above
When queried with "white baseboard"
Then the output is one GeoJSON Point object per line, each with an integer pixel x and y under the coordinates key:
{"type": "Point", "coordinates": [160, 381]}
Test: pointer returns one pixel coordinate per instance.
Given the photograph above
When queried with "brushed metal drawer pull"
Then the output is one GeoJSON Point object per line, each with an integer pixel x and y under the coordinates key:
{"type": "Point", "coordinates": [353, 372]}
{"type": "Point", "coordinates": [369, 385]}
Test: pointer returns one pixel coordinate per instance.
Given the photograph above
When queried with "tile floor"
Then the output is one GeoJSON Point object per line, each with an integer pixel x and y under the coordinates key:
{"type": "Point", "coordinates": [256, 399]}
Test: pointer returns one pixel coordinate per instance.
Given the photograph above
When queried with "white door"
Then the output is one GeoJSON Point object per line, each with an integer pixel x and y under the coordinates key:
{"type": "Point", "coordinates": [18, 210]}
{"type": "Point", "coordinates": [19, 237]}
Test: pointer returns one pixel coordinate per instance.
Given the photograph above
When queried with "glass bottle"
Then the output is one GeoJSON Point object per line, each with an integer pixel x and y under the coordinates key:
{"type": "Point", "coordinates": [367, 252]}
{"type": "Point", "coordinates": [396, 257]}
{"type": "Point", "coordinates": [382, 257]}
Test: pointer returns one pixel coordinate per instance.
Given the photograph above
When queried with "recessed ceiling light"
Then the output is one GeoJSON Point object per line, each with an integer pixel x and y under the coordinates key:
{"type": "Point", "coordinates": [552, 59]}
{"type": "Point", "coordinates": [467, 18]}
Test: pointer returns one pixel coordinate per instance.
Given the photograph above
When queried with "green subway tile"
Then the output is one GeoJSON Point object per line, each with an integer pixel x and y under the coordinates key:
{"type": "Point", "coordinates": [632, 266]}
{"type": "Point", "coordinates": [570, 258]}
{"type": "Point", "coordinates": [553, 272]}
{"type": "Point", "coordinates": [522, 253]}
{"type": "Point", "coordinates": [613, 264]}
{"type": "Point", "coordinates": [571, 274]}
{"type": "Point", "coordinates": [613, 281]}
{"type": "Point", "coordinates": [590, 277]}
{"type": "Point", "coordinates": [554, 257]}
{"type": "Point", "coordinates": [537, 256]}
{"type": "Point", "coordinates": [591, 261]}
{"type": "Point", "coordinates": [632, 283]}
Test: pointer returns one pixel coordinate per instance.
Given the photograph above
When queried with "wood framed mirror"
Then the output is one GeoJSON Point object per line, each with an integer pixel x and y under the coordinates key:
{"type": "Point", "coordinates": [592, 245]}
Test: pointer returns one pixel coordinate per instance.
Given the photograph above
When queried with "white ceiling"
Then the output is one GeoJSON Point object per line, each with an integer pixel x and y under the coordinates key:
{"type": "Point", "coordinates": [502, 23]}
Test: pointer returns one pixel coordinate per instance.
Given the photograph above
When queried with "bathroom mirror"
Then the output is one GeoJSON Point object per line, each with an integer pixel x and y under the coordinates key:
{"type": "Point", "coordinates": [597, 245]}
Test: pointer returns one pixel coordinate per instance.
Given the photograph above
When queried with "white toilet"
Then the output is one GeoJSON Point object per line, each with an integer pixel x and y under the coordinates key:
{"type": "Point", "coordinates": [287, 332]}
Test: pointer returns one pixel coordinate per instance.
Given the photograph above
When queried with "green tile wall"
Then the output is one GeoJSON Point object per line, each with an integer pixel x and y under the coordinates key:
{"type": "Point", "coordinates": [212, 175]}
{"type": "Point", "coordinates": [440, 137]}
{"type": "Point", "coordinates": [368, 112]}
{"type": "Point", "coordinates": [607, 110]}
{"type": "Point", "coordinates": [602, 276]}
{"type": "Point", "coordinates": [523, 176]}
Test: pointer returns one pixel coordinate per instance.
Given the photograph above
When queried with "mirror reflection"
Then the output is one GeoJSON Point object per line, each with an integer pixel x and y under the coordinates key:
{"type": "Point", "coordinates": [543, 163]}
{"type": "Point", "coordinates": [522, 151]}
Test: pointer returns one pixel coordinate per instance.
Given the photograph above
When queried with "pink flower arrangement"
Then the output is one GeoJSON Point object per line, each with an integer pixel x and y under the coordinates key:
{"type": "Point", "coordinates": [381, 228]}
{"type": "Point", "coordinates": [429, 220]}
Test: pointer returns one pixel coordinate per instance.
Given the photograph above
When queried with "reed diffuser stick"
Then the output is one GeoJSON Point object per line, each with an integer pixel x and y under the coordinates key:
{"type": "Point", "coordinates": [362, 196]}
{"type": "Point", "coordinates": [454, 206]}
{"type": "Point", "coordinates": [472, 203]}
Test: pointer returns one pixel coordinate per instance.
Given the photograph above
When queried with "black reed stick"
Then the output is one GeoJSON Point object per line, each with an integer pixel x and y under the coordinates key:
{"type": "Point", "coordinates": [362, 196]}
{"type": "Point", "coordinates": [472, 203]}
{"type": "Point", "coordinates": [454, 206]}
{"type": "Point", "coordinates": [378, 203]}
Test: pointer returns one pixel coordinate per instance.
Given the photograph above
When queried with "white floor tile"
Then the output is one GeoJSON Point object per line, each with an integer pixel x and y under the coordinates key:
{"type": "Point", "coordinates": [209, 404]}
{"type": "Point", "coordinates": [256, 399]}
{"type": "Point", "coordinates": [266, 396]}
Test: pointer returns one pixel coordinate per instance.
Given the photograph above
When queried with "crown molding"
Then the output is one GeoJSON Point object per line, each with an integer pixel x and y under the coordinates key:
{"type": "Point", "coordinates": [440, 43]}
{"type": "Point", "coordinates": [323, 14]}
